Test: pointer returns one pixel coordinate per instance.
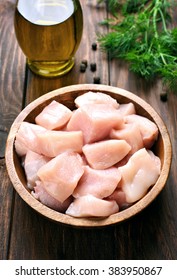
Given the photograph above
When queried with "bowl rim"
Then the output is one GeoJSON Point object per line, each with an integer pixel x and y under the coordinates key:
{"type": "Point", "coordinates": [88, 222]}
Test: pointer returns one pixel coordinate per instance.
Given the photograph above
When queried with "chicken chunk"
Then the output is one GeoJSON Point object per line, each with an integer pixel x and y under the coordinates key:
{"type": "Point", "coordinates": [139, 174]}
{"type": "Point", "coordinates": [99, 183]}
{"type": "Point", "coordinates": [90, 206]}
{"type": "Point", "coordinates": [32, 163]}
{"type": "Point", "coordinates": [127, 109]}
{"type": "Point", "coordinates": [26, 138]}
{"type": "Point", "coordinates": [60, 175]}
{"type": "Point", "coordinates": [53, 143]}
{"type": "Point", "coordinates": [119, 196]}
{"type": "Point", "coordinates": [95, 98]}
{"type": "Point", "coordinates": [104, 154]}
{"type": "Point", "coordinates": [148, 129]}
{"type": "Point", "coordinates": [95, 121]}
{"type": "Point", "coordinates": [131, 134]}
{"type": "Point", "coordinates": [45, 198]}
{"type": "Point", "coordinates": [54, 116]}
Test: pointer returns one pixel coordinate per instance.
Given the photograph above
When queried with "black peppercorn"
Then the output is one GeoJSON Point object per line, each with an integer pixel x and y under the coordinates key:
{"type": "Point", "coordinates": [94, 46]}
{"type": "Point", "coordinates": [93, 67]}
{"type": "Point", "coordinates": [84, 62]}
{"type": "Point", "coordinates": [82, 67]}
{"type": "Point", "coordinates": [163, 96]}
{"type": "Point", "coordinates": [96, 80]}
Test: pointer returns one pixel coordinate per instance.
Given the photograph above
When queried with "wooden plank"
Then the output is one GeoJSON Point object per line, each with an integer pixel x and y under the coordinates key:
{"type": "Point", "coordinates": [35, 230]}
{"type": "Point", "coordinates": [11, 92]}
{"type": "Point", "coordinates": [12, 67]}
{"type": "Point", "coordinates": [163, 247]}
{"type": "Point", "coordinates": [6, 200]}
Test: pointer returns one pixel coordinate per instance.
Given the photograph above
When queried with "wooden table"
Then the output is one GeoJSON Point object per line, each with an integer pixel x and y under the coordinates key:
{"type": "Point", "coordinates": [26, 235]}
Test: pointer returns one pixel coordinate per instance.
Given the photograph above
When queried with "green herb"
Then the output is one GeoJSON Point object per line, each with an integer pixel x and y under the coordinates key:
{"type": "Point", "coordinates": [144, 40]}
{"type": "Point", "coordinates": [112, 5]}
{"type": "Point", "coordinates": [133, 6]}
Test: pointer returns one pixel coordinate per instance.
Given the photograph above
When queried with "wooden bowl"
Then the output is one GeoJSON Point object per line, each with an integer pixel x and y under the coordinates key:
{"type": "Point", "coordinates": [66, 96]}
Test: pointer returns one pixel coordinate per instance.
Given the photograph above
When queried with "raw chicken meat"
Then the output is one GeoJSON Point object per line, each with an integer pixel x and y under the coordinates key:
{"type": "Point", "coordinates": [131, 134]}
{"type": "Point", "coordinates": [127, 109]}
{"type": "Point", "coordinates": [95, 98]}
{"type": "Point", "coordinates": [148, 129]}
{"type": "Point", "coordinates": [45, 198]}
{"type": "Point", "coordinates": [53, 142]}
{"type": "Point", "coordinates": [54, 116]}
{"type": "Point", "coordinates": [104, 154]}
{"type": "Point", "coordinates": [26, 138]}
{"type": "Point", "coordinates": [95, 121]}
{"type": "Point", "coordinates": [60, 175]}
{"type": "Point", "coordinates": [140, 173]}
{"type": "Point", "coordinates": [90, 206]}
{"type": "Point", "coordinates": [119, 196]}
{"type": "Point", "coordinates": [99, 183]}
{"type": "Point", "coordinates": [32, 163]}
{"type": "Point", "coordinates": [91, 162]}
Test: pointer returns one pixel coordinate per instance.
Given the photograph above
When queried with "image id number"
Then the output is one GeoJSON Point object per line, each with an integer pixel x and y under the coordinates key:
{"type": "Point", "coordinates": [135, 270]}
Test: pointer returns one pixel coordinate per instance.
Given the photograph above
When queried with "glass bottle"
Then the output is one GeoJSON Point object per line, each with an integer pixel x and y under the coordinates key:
{"type": "Point", "coordinates": [49, 33]}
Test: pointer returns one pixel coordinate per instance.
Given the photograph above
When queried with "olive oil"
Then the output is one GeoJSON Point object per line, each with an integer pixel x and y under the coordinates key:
{"type": "Point", "coordinates": [49, 34]}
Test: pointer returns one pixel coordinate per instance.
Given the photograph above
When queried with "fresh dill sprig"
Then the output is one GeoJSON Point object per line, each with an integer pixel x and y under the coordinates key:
{"type": "Point", "coordinates": [112, 5]}
{"type": "Point", "coordinates": [144, 40]}
{"type": "Point", "coordinates": [129, 6]}
{"type": "Point", "coordinates": [133, 6]}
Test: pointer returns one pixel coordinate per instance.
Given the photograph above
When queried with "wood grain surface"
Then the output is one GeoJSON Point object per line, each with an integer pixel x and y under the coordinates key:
{"type": "Point", "coordinates": [24, 234]}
